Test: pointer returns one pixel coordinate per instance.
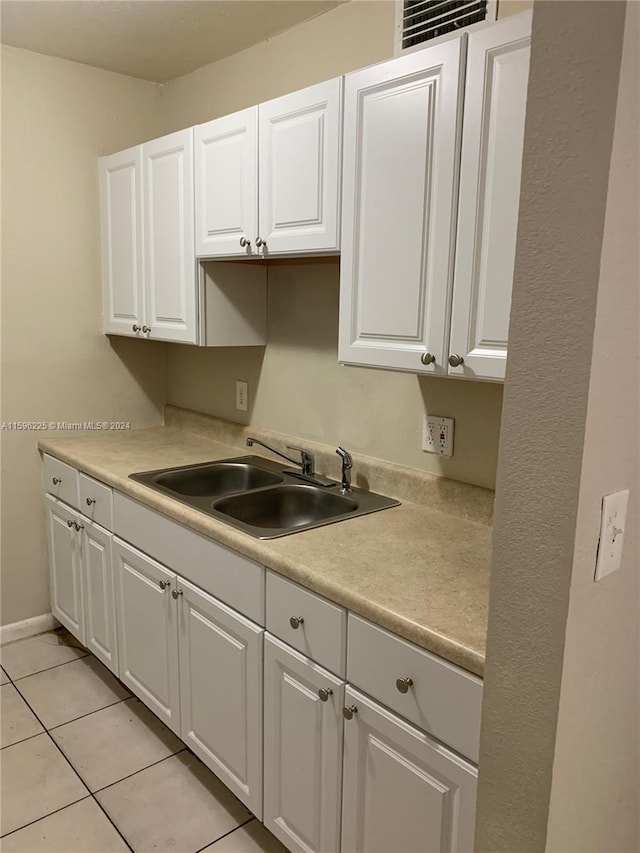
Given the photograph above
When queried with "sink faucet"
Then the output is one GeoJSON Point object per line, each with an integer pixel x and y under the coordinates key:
{"type": "Point", "coordinates": [307, 462]}
{"type": "Point", "coordinates": [347, 465]}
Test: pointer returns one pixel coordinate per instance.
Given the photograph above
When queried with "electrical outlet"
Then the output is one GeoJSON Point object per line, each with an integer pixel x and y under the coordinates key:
{"type": "Point", "coordinates": [437, 435]}
{"type": "Point", "coordinates": [242, 396]}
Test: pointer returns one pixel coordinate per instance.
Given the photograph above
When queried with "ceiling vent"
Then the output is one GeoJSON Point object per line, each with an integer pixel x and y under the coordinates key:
{"type": "Point", "coordinates": [419, 21]}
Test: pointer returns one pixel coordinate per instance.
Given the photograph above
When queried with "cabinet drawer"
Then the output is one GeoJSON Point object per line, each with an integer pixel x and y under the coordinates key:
{"type": "Point", "coordinates": [96, 501]}
{"type": "Point", "coordinates": [60, 480]}
{"type": "Point", "coordinates": [442, 699]}
{"type": "Point", "coordinates": [234, 579]}
{"type": "Point", "coordinates": [321, 633]}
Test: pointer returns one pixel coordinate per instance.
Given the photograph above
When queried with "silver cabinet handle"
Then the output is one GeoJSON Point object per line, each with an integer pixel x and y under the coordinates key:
{"type": "Point", "coordinates": [90, 501]}
{"type": "Point", "coordinates": [324, 693]}
{"type": "Point", "coordinates": [244, 242]}
{"type": "Point", "coordinates": [77, 526]}
{"type": "Point", "coordinates": [163, 584]}
{"type": "Point", "coordinates": [136, 327]}
{"type": "Point", "coordinates": [146, 329]}
{"type": "Point", "coordinates": [349, 711]}
{"type": "Point", "coordinates": [176, 592]}
{"type": "Point", "coordinates": [456, 360]}
{"type": "Point", "coordinates": [427, 358]}
{"type": "Point", "coordinates": [260, 242]}
{"type": "Point", "coordinates": [69, 523]}
{"type": "Point", "coordinates": [56, 481]}
{"type": "Point", "coordinates": [296, 622]}
{"type": "Point", "coordinates": [403, 684]}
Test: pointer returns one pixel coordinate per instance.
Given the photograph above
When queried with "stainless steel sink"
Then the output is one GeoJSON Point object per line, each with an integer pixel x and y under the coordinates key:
{"type": "Point", "coordinates": [257, 496]}
{"type": "Point", "coordinates": [286, 508]}
{"type": "Point", "coordinates": [217, 478]}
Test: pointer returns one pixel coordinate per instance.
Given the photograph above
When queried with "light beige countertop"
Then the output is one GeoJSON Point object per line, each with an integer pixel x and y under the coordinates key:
{"type": "Point", "coordinates": [420, 573]}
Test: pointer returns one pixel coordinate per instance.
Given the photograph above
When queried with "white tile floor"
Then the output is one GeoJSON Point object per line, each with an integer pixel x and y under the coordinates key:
{"type": "Point", "coordinates": [86, 768]}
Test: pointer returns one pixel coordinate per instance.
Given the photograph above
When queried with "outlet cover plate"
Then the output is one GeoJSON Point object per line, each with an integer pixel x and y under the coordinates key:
{"type": "Point", "coordinates": [614, 516]}
{"type": "Point", "coordinates": [437, 435]}
{"type": "Point", "coordinates": [242, 396]}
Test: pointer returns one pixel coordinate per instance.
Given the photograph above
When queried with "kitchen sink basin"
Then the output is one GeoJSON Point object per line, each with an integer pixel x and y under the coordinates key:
{"type": "Point", "coordinates": [286, 507]}
{"type": "Point", "coordinates": [218, 478]}
{"type": "Point", "coordinates": [211, 479]}
{"type": "Point", "coordinates": [256, 495]}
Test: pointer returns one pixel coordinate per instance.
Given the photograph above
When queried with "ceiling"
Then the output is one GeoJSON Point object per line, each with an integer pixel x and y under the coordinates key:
{"type": "Point", "coordinates": [155, 40]}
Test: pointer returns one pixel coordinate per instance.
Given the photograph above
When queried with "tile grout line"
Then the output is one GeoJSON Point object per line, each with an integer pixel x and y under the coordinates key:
{"type": "Point", "coordinates": [90, 793]}
{"type": "Point", "coordinates": [23, 740]}
{"type": "Point", "coordinates": [135, 772]}
{"type": "Point", "coordinates": [235, 829]}
{"type": "Point", "coordinates": [47, 668]}
{"type": "Point", "coordinates": [89, 713]}
{"type": "Point", "coordinates": [44, 817]}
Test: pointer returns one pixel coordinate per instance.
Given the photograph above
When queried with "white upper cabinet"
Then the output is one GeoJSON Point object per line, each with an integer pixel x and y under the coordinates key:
{"type": "Point", "coordinates": [299, 173]}
{"type": "Point", "coordinates": [170, 266]}
{"type": "Point", "coordinates": [122, 260]}
{"type": "Point", "coordinates": [268, 178]}
{"type": "Point", "coordinates": [226, 153]}
{"type": "Point", "coordinates": [402, 122]}
{"type": "Point", "coordinates": [494, 114]}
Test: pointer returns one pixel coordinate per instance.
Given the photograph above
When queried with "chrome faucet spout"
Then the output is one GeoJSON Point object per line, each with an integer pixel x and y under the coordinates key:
{"type": "Point", "coordinates": [347, 465]}
{"type": "Point", "coordinates": [307, 461]}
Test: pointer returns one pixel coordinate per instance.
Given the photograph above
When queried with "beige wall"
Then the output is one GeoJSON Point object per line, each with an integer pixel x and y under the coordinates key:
{"type": "Point", "coordinates": [349, 37]}
{"type": "Point", "coordinates": [595, 793]}
{"type": "Point", "coordinates": [571, 104]}
{"type": "Point", "coordinates": [57, 118]}
{"type": "Point", "coordinates": [296, 384]}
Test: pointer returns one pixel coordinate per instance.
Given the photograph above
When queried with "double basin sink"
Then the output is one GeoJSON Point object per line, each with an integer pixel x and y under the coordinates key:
{"type": "Point", "coordinates": [261, 497]}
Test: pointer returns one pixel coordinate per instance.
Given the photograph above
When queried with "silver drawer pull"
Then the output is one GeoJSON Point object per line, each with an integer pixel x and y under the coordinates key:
{"type": "Point", "coordinates": [324, 693]}
{"type": "Point", "coordinates": [349, 711]}
{"type": "Point", "coordinates": [90, 501]}
{"type": "Point", "coordinates": [296, 622]}
{"type": "Point", "coordinates": [403, 684]}
{"type": "Point", "coordinates": [163, 584]}
{"type": "Point", "coordinates": [56, 481]}
{"type": "Point", "coordinates": [176, 592]}
{"type": "Point", "coordinates": [70, 523]}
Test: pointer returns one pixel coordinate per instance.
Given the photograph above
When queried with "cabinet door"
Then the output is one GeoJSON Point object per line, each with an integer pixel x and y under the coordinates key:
{"type": "Point", "coordinates": [65, 569]}
{"type": "Point", "coordinates": [300, 151]}
{"type": "Point", "coordinates": [122, 254]}
{"type": "Point", "coordinates": [226, 162]}
{"type": "Point", "coordinates": [495, 103]}
{"type": "Point", "coordinates": [400, 160]}
{"type": "Point", "coordinates": [221, 691]}
{"type": "Point", "coordinates": [99, 594]}
{"type": "Point", "coordinates": [401, 789]}
{"type": "Point", "coordinates": [302, 750]}
{"type": "Point", "coordinates": [148, 631]}
{"type": "Point", "coordinates": [170, 266]}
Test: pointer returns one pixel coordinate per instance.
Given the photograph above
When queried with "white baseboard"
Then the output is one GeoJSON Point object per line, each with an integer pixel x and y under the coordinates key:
{"type": "Point", "coordinates": [27, 628]}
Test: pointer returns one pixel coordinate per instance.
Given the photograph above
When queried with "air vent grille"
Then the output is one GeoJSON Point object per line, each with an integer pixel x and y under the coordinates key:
{"type": "Point", "coordinates": [423, 20]}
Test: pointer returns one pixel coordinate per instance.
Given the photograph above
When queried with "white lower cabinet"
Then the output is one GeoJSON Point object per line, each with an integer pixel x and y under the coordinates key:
{"type": "Point", "coordinates": [148, 631]}
{"type": "Point", "coordinates": [100, 634]}
{"type": "Point", "coordinates": [65, 567]}
{"type": "Point", "coordinates": [81, 577]}
{"type": "Point", "coordinates": [402, 790]}
{"type": "Point", "coordinates": [221, 691]}
{"type": "Point", "coordinates": [302, 750]}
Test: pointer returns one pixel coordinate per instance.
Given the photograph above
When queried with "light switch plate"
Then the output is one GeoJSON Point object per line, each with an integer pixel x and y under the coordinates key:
{"type": "Point", "coordinates": [614, 515]}
{"type": "Point", "coordinates": [437, 435]}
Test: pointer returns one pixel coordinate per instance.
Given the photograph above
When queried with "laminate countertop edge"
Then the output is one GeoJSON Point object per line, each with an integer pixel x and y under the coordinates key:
{"type": "Point", "coordinates": [420, 574]}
